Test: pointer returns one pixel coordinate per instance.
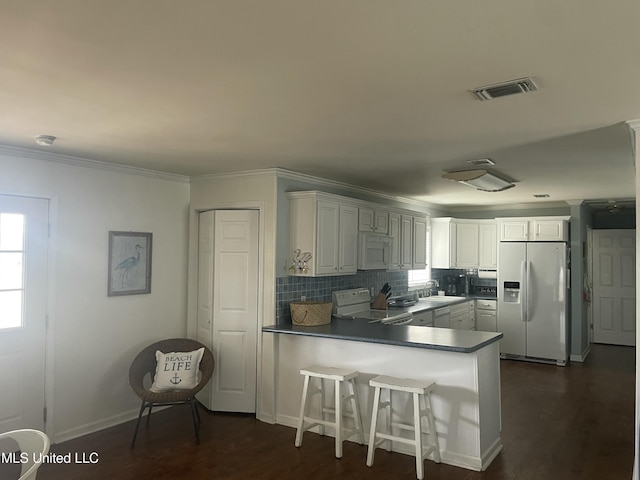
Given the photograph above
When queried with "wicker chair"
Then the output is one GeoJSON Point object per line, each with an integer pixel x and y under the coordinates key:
{"type": "Point", "coordinates": [145, 364]}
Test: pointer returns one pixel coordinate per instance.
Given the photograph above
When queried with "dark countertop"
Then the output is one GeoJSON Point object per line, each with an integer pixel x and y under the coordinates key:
{"type": "Point", "coordinates": [432, 303]}
{"type": "Point", "coordinates": [360, 330]}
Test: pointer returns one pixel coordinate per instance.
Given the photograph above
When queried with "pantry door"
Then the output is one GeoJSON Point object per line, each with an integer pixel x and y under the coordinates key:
{"type": "Point", "coordinates": [228, 306]}
{"type": "Point", "coordinates": [24, 227]}
{"type": "Point", "coordinates": [614, 287]}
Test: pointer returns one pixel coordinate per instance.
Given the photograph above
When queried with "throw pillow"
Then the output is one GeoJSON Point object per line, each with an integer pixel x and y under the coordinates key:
{"type": "Point", "coordinates": [176, 370]}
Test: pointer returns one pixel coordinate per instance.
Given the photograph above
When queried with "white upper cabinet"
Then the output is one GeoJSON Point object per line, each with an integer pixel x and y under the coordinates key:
{"type": "Point", "coordinates": [409, 247]}
{"type": "Point", "coordinates": [373, 220]}
{"type": "Point", "coordinates": [488, 245]}
{"type": "Point", "coordinates": [466, 246]}
{"type": "Point", "coordinates": [419, 243]}
{"type": "Point", "coordinates": [514, 231]}
{"type": "Point", "coordinates": [406, 242]}
{"type": "Point", "coordinates": [394, 232]}
{"type": "Point", "coordinates": [443, 243]}
{"type": "Point", "coordinates": [535, 229]}
{"type": "Point", "coordinates": [327, 229]}
{"type": "Point", "coordinates": [348, 240]}
{"type": "Point", "coordinates": [461, 243]}
{"type": "Point", "coordinates": [550, 230]}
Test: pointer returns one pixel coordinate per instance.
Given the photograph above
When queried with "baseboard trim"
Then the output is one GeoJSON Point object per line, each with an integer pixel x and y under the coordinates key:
{"type": "Point", "coordinates": [583, 356]}
{"type": "Point", "coordinates": [98, 425]}
{"type": "Point", "coordinates": [457, 460]}
{"type": "Point", "coordinates": [491, 453]}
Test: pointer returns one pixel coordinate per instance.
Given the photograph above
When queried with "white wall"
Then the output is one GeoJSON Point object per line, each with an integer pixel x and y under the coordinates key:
{"type": "Point", "coordinates": [635, 141]}
{"type": "Point", "coordinates": [92, 338]}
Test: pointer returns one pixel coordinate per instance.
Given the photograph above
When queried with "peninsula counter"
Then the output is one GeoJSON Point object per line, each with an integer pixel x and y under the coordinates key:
{"type": "Point", "coordinates": [464, 364]}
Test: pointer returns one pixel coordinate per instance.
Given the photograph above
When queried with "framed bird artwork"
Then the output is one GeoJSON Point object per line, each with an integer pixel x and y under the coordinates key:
{"type": "Point", "coordinates": [129, 263]}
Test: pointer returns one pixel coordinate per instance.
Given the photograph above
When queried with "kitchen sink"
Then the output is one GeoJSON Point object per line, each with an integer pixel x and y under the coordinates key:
{"type": "Point", "coordinates": [442, 298]}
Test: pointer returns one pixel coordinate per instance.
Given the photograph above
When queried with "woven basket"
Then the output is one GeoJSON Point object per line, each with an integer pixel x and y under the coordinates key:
{"type": "Point", "coordinates": [310, 313]}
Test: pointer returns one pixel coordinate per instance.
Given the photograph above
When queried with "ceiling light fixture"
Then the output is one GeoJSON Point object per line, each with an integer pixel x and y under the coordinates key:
{"type": "Point", "coordinates": [480, 179]}
{"type": "Point", "coordinates": [481, 162]}
{"type": "Point", "coordinates": [45, 140]}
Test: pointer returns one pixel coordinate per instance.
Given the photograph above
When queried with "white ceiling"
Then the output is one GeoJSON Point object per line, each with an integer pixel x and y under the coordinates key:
{"type": "Point", "coordinates": [370, 92]}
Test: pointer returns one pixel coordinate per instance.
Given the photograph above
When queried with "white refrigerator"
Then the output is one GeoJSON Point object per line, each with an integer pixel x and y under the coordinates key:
{"type": "Point", "coordinates": [533, 301]}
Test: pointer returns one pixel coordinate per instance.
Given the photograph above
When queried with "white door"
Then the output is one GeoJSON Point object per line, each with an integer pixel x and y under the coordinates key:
{"type": "Point", "coordinates": [228, 306]}
{"type": "Point", "coordinates": [23, 310]}
{"type": "Point", "coordinates": [614, 288]}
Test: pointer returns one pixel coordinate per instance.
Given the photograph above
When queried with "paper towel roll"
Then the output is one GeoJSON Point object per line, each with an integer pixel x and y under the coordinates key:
{"type": "Point", "coordinates": [484, 273]}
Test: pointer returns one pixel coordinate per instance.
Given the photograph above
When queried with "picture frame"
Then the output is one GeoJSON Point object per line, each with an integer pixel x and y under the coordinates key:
{"type": "Point", "coordinates": [129, 263]}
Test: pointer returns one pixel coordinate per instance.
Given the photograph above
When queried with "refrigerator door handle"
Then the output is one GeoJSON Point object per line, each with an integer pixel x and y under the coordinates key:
{"type": "Point", "coordinates": [523, 290]}
{"type": "Point", "coordinates": [529, 292]}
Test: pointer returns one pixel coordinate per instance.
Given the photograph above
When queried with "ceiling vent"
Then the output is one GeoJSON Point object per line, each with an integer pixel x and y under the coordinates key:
{"type": "Point", "coordinates": [489, 92]}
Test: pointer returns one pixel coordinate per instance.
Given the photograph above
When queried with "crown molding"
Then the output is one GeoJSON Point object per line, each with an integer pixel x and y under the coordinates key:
{"type": "Point", "coordinates": [83, 162]}
{"type": "Point", "coordinates": [261, 172]}
{"type": "Point", "coordinates": [633, 124]}
{"type": "Point", "coordinates": [291, 175]}
{"type": "Point", "coordinates": [318, 182]}
{"type": "Point", "coordinates": [508, 206]}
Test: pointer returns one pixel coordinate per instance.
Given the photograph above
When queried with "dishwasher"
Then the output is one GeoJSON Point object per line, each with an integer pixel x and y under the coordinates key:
{"type": "Point", "coordinates": [442, 317]}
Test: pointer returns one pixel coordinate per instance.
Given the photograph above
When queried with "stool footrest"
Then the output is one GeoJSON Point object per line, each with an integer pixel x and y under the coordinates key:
{"type": "Point", "coordinates": [384, 437]}
{"type": "Point", "coordinates": [404, 426]}
{"type": "Point", "coordinates": [395, 438]}
{"type": "Point", "coordinates": [316, 422]}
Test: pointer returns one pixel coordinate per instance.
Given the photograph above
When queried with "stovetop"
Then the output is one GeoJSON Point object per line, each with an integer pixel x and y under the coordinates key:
{"type": "Point", "coordinates": [355, 303]}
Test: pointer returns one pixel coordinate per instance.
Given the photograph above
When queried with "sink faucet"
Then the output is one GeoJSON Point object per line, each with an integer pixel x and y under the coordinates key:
{"type": "Point", "coordinates": [426, 290]}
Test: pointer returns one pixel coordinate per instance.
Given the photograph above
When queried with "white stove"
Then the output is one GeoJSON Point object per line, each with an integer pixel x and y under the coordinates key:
{"type": "Point", "coordinates": [355, 303]}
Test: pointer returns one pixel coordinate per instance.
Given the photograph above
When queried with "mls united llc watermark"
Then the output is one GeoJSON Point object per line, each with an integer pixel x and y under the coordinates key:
{"type": "Point", "coordinates": [25, 457]}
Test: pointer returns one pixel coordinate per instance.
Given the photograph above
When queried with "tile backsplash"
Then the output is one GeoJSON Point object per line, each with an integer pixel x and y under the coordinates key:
{"type": "Point", "coordinates": [318, 289]}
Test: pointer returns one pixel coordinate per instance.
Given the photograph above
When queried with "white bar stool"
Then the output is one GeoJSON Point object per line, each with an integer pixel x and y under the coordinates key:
{"type": "Point", "coordinates": [338, 375]}
{"type": "Point", "coordinates": [421, 390]}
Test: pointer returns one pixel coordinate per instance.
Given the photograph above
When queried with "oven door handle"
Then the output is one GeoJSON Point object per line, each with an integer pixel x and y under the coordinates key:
{"type": "Point", "coordinates": [404, 322]}
{"type": "Point", "coordinates": [397, 321]}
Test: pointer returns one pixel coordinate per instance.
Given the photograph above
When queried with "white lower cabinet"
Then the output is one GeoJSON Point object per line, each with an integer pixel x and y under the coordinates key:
{"type": "Point", "coordinates": [486, 318]}
{"type": "Point", "coordinates": [423, 319]}
{"type": "Point", "coordinates": [461, 315]}
{"type": "Point", "coordinates": [442, 317]}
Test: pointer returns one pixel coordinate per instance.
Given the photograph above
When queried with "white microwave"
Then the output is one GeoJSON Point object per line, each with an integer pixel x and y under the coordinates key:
{"type": "Point", "coordinates": [374, 251]}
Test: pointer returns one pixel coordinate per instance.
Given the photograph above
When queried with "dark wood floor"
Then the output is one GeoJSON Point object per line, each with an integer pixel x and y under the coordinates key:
{"type": "Point", "coordinates": [566, 423]}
